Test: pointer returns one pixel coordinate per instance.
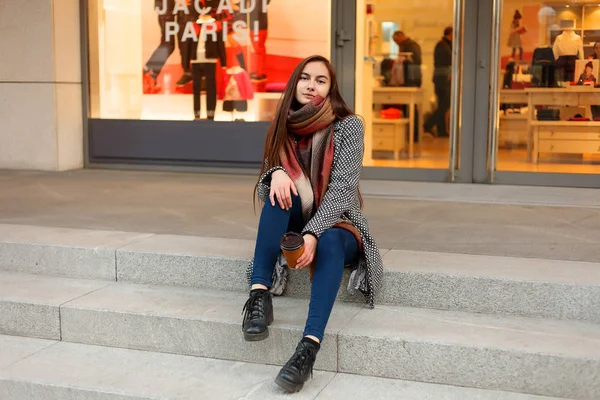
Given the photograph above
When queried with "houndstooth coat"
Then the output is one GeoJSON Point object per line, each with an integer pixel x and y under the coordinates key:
{"type": "Point", "coordinates": [340, 201]}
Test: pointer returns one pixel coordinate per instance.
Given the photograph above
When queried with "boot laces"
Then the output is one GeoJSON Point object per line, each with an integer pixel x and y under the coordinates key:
{"type": "Point", "coordinates": [254, 307]}
{"type": "Point", "coordinates": [303, 358]}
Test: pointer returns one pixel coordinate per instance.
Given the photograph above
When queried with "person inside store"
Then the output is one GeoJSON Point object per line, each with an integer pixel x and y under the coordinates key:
{"type": "Point", "coordinates": [412, 64]}
{"type": "Point", "coordinates": [408, 64]}
{"type": "Point", "coordinates": [442, 79]}
{"type": "Point", "coordinates": [595, 52]}
{"type": "Point", "coordinates": [309, 185]}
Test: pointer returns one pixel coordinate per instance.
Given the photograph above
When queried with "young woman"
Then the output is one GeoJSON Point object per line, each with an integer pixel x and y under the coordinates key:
{"type": "Point", "coordinates": [309, 183]}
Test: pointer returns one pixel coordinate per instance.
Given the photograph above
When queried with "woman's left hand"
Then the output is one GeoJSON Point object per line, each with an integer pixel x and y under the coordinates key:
{"type": "Point", "coordinates": [310, 249]}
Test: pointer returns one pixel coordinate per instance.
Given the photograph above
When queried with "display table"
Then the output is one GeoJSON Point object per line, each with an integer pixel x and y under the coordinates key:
{"type": "Point", "coordinates": [513, 129]}
{"type": "Point", "coordinates": [561, 136]}
{"type": "Point", "coordinates": [513, 96]}
{"type": "Point", "coordinates": [390, 135]}
{"type": "Point", "coordinates": [410, 96]}
{"type": "Point", "coordinates": [572, 96]}
{"type": "Point", "coordinates": [567, 137]}
{"type": "Point", "coordinates": [552, 136]}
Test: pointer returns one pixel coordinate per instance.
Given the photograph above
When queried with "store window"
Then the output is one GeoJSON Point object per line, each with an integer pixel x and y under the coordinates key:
{"type": "Point", "coordinates": [549, 116]}
{"type": "Point", "coordinates": [404, 80]}
{"type": "Point", "coordinates": [199, 59]}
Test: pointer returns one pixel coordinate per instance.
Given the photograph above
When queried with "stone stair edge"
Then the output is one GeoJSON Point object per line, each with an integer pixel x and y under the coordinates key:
{"type": "Point", "coordinates": [205, 305]}
{"type": "Point", "coordinates": [353, 331]}
{"type": "Point", "coordinates": [147, 317]}
{"type": "Point", "coordinates": [145, 242]}
{"type": "Point", "coordinates": [73, 359]}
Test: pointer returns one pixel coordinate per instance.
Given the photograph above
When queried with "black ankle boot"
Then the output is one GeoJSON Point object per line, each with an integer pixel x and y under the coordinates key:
{"type": "Point", "coordinates": [298, 369]}
{"type": "Point", "coordinates": [258, 316]}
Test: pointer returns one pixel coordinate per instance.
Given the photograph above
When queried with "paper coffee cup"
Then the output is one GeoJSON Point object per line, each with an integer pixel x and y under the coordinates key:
{"type": "Point", "coordinates": [292, 245]}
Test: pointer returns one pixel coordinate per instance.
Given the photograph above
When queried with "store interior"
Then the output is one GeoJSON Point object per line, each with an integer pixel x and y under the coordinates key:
{"type": "Point", "coordinates": [387, 139]}
{"type": "Point", "coordinates": [549, 117]}
{"type": "Point", "coordinates": [526, 144]}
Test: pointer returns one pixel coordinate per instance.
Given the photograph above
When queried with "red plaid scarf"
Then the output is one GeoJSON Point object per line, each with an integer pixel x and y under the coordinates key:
{"type": "Point", "coordinates": [309, 162]}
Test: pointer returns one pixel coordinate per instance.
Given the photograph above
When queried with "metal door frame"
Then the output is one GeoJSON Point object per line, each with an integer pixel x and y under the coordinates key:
{"type": "Point", "coordinates": [343, 45]}
{"type": "Point", "coordinates": [463, 141]}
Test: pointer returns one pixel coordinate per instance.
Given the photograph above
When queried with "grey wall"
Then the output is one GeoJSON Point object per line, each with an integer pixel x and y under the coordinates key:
{"type": "Point", "coordinates": [40, 85]}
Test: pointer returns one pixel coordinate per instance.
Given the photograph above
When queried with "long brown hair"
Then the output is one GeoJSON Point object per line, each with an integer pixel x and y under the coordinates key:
{"type": "Point", "coordinates": [277, 133]}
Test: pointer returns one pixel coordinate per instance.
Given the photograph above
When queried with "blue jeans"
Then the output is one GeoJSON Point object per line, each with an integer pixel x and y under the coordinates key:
{"type": "Point", "coordinates": [336, 247]}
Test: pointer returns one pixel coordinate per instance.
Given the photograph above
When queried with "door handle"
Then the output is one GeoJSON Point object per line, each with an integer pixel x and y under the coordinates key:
{"type": "Point", "coordinates": [341, 38]}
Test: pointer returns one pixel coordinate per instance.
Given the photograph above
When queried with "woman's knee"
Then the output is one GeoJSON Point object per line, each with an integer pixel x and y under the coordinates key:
{"type": "Point", "coordinates": [331, 241]}
{"type": "Point", "coordinates": [295, 202]}
{"type": "Point", "coordinates": [270, 207]}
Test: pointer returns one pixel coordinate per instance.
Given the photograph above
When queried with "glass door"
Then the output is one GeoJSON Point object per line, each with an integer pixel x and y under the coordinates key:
{"type": "Point", "coordinates": [413, 74]}
{"type": "Point", "coordinates": [544, 97]}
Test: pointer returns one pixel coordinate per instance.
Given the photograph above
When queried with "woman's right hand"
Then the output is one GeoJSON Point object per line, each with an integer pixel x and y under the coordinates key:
{"type": "Point", "coordinates": [281, 187]}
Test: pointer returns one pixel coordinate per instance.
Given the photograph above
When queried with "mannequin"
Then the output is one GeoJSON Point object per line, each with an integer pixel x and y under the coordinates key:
{"type": "Point", "coordinates": [568, 47]}
{"type": "Point", "coordinates": [211, 48]}
{"type": "Point", "coordinates": [543, 64]}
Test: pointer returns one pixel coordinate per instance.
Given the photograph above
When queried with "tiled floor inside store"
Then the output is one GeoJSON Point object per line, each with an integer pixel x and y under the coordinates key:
{"type": "Point", "coordinates": [434, 154]}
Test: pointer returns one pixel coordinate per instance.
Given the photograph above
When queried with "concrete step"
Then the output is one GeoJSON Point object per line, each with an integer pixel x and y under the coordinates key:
{"type": "Point", "coordinates": [60, 370]}
{"type": "Point", "coordinates": [487, 284]}
{"type": "Point", "coordinates": [76, 253]}
{"type": "Point", "coordinates": [518, 354]}
{"type": "Point", "coordinates": [30, 304]}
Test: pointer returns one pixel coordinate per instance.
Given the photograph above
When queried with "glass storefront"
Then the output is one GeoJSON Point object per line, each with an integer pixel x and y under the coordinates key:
{"type": "Point", "coordinates": [434, 106]}
{"type": "Point", "coordinates": [404, 79]}
{"type": "Point", "coordinates": [549, 98]}
{"type": "Point", "coordinates": [199, 59]}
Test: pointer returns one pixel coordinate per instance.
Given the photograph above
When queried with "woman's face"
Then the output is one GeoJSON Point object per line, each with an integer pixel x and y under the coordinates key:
{"type": "Point", "coordinates": [314, 80]}
{"type": "Point", "coordinates": [588, 70]}
{"type": "Point", "coordinates": [597, 49]}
